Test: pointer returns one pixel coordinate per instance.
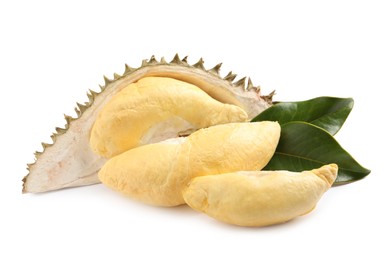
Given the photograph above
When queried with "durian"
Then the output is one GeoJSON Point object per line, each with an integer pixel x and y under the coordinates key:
{"type": "Point", "coordinates": [158, 173]}
{"type": "Point", "coordinates": [154, 109]}
{"type": "Point", "coordinates": [259, 198]}
{"type": "Point", "coordinates": [70, 161]}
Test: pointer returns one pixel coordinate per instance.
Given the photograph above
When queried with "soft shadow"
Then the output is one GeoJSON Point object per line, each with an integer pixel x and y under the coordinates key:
{"type": "Point", "coordinates": [181, 210]}
{"type": "Point", "coordinates": [69, 189]}
{"type": "Point", "coordinates": [272, 228]}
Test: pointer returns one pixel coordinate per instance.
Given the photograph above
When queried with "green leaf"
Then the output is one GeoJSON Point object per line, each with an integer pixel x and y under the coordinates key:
{"type": "Point", "coordinates": [303, 146]}
{"type": "Point", "coordinates": [328, 113]}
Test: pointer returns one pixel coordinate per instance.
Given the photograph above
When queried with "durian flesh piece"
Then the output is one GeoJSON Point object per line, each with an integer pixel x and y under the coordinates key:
{"type": "Point", "coordinates": [155, 109]}
{"type": "Point", "coordinates": [259, 198]}
{"type": "Point", "coordinates": [158, 173]}
{"type": "Point", "coordinates": [69, 161]}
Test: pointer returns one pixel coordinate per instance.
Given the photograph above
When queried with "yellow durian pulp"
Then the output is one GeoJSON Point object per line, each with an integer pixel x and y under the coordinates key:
{"type": "Point", "coordinates": [158, 173]}
{"type": "Point", "coordinates": [259, 198]}
{"type": "Point", "coordinates": [154, 109]}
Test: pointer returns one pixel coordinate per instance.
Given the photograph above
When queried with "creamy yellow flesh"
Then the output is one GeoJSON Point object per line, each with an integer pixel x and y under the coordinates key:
{"type": "Point", "coordinates": [158, 173]}
{"type": "Point", "coordinates": [259, 198]}
{"type": "Point", "coordinates": [214, 170]}
{"type": "Point", "coordinates": [154, 109]}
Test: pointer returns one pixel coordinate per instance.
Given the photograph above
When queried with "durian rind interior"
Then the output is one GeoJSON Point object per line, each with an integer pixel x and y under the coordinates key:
{"type": "Point", "coordinates": [69, 161]}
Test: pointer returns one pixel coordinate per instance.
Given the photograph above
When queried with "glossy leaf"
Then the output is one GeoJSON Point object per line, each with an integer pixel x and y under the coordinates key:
{"type": "Point", "coordinates": [303, 146]}
{"type": "Point", "coordinates": [328, 113]}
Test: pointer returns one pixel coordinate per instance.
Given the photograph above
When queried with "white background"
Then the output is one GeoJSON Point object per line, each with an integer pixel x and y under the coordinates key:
{"type": "Point", "coordinates": [51, 52]}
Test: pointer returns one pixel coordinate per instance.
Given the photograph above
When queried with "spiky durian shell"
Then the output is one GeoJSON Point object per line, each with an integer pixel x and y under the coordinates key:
{"type": "Point", "coordinates": [68, 161]}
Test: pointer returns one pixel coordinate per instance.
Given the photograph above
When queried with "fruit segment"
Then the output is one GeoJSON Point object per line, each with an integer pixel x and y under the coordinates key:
{"type": "Point", "coordinates": [155, 109]}
{"type": "Point", "coordinates": [158, 173]}
{"type": "Point", "coordinates": [259, 198]}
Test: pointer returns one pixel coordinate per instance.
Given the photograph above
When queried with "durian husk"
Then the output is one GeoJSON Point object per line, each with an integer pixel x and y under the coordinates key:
{"type": "Point", "coordinates": [69, 161]}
